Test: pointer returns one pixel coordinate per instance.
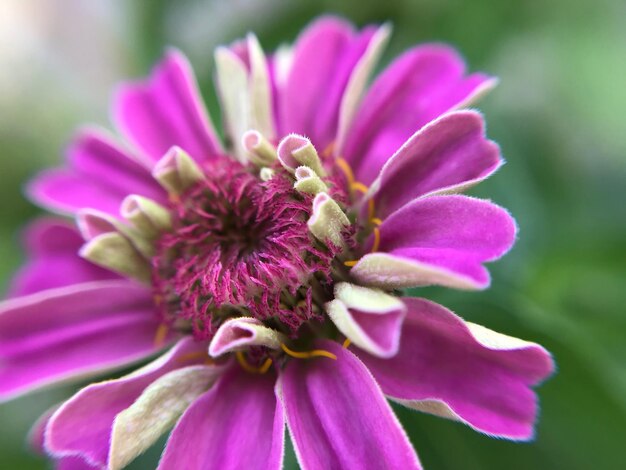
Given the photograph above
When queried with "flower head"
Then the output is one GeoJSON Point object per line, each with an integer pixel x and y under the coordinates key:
{"type": "Point", "coordinates": [270, 268]}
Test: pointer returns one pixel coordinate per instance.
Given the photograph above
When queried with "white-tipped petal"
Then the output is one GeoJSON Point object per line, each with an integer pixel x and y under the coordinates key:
{"type": "Point", "coordinates": [296, 150]}
{"type": "Point", "coordinates": [328, 220]}
{"type": "Point", "coordinates": [149, 217]}
{"type": "Point", "coordinates": [260, 150]}
{"type": "Point", "coordinates": [369, 318]}
{"type": "Point", "coordinates": [115, 252]}
{"type": "Point", "coordinates": [358, 80]}
{"type": "Point", "coordinates": [266, 174]}
{"type": "Point", "coordinates": [93, 223]}
{"type": "Point", "coordinates": [176, 171]}
{"type": "Point", "coordinates": [307, 181]}
{"type": "Point", "coordinates": [240, 333]}
{"type": "Point", "coordinates": [232, 84]}
{"type": "Point", "coordinates": [155, 411]}
{"type": "Point", "coordinates": [260, 89]}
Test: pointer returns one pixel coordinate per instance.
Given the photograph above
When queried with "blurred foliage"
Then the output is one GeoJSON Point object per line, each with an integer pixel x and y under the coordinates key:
{"type": "Point", "coordinates": [558, 118]}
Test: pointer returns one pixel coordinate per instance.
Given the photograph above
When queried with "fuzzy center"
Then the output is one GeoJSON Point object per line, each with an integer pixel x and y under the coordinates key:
{"type": "Point", "coordinates": [239, 245]}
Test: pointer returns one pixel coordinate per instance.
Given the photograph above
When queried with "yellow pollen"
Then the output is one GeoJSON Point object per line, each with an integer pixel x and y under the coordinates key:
{"type": "Point", "coordinates": [241, 358]}
{"type": "Point", "coordinates": [161, 333]}
{"type": "Point", "coordinates": [308, 354]}
{"type": "Point", "coordinates": [345, 167]}
{"type": "Point", "coordinates": [351, 262]}
{"type": "Point", "coordinates": [376, 221]}
{"type": "Point", "coordinates": [346, 343]}
{"type": "Point", "coordinates": [358, 186]}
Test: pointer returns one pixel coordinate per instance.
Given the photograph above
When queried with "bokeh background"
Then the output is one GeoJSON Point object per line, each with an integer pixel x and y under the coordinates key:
{"type": "Point", "coordinates": [558, 115]}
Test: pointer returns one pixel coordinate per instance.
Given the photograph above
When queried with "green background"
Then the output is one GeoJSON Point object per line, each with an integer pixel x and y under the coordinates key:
{"type": "Point", "coordinates": [557, 114]}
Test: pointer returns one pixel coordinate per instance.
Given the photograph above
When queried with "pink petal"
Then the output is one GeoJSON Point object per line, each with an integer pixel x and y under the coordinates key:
{"type": "Point", "coordinates": [82, 426]}
{"type": "Point", "coordinates": [447, 155]}
{"type": "Point", "coordinates": [237, 424]}
{"type": "Point", "coordinates": [36, 438]}
{"type": "Point", "coordinates": [73, 331]}
{"type": "Point", "coordinates": [166, 110]}
{"type": "Point", "coordinates": [484, 384]}
{"type": "Point", "coordinates": [324, 57]}
{"type": "Point", "coordinates": [420, 85]}
{"type": "Point", "coordinates": [52, 248]}
{"type": "Point", "coordinates": [449, 235]}
{"type": "Point", "coordinates": [338, 416]}
{"type": "Point", "coordinates": [99, 175]}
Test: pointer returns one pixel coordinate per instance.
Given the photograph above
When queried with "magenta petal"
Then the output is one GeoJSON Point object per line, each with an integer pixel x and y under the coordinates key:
{"type": "Point", "coordinates": [447, 155]}
{"type": "Point", "coordinates": [82, 426]}
{"type": "Point", "coordinates": [338, 416]}
{"type": "Point", "coordinates": [485, 385]}
{"type": "Point", "coordinates": [454, 234]}
{"type": "Point", "coordinates": [99, 176]}
{"type": "Point", "coordinates": [416, 88]}
{"type": "Point", "coordinates": [237, 424]}
{"type": "Point", "coordinates": [73, 463]}
{"type": "Point", "coordinates": [52, 247]}
{"type": "Point", "coordinates": [36, 438]}
{"type": "Point", "coordinates": [324, 57]}
{"type": "Point", "coordinates": [73, 331]}
{"type": "Point", "coordinates": [166, 110]}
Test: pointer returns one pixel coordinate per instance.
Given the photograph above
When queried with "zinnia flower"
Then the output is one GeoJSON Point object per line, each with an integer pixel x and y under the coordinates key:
{"type": "Point", "coordinates": [268, 268]}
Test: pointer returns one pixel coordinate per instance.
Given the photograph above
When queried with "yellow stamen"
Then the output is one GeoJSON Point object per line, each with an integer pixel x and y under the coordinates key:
{"type": "Point", "coordinates": [345, 167]}
{"type": "Point", "coordinates": [161, 333]}
{"type": "Point", "coordinates": [358, 186]}
{"type": "Point", "coordinates": [265, 366]}
{"type": "Point", "coordinates": [371, 209]}
{"type": "Point", "coordinates": [376, 221]}
{"type": "Point", "coordinates": [241, 358]}
{"type": "Point", "coordinates": [308, 354]}
{"type": "Point", "coordinates": [346, 343]}
{"type": "Point", "coordinates": [351, 262]}
{"type": "Point", "coordinates": [376, 244]}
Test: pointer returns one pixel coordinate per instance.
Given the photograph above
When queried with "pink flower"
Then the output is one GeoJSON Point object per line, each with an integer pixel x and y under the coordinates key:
{"type": "Point", "coordinates": [267, 269]}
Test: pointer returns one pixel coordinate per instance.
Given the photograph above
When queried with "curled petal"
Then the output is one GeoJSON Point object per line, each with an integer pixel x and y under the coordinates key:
{"type": "Point", "coordinates": [463, 371]}
{"type": "Point", "coordinates": [83, 424]}
{"type": "Point", "coordinates": [438, 240]}
{"type": "Point", "coordinates": [296, 150]}
{"type": "Point", "coordinates": [328, 220]}
{"type": "Point", "coordinates": [369, 318]}
{"type": "Point", "coordinates": [157, 409]}
{"type": "Point", "coordinates": [338, 416]}
{"type": "Point", "coordinates": [177, 171]}
{"type": "Point", "coordinates": [448, 155]}
{"type": "Point", "coordinates": [243, 332]}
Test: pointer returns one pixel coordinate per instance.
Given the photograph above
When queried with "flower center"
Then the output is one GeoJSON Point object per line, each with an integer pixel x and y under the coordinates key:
{"type": "Point", "coordinates": [241, 245]}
